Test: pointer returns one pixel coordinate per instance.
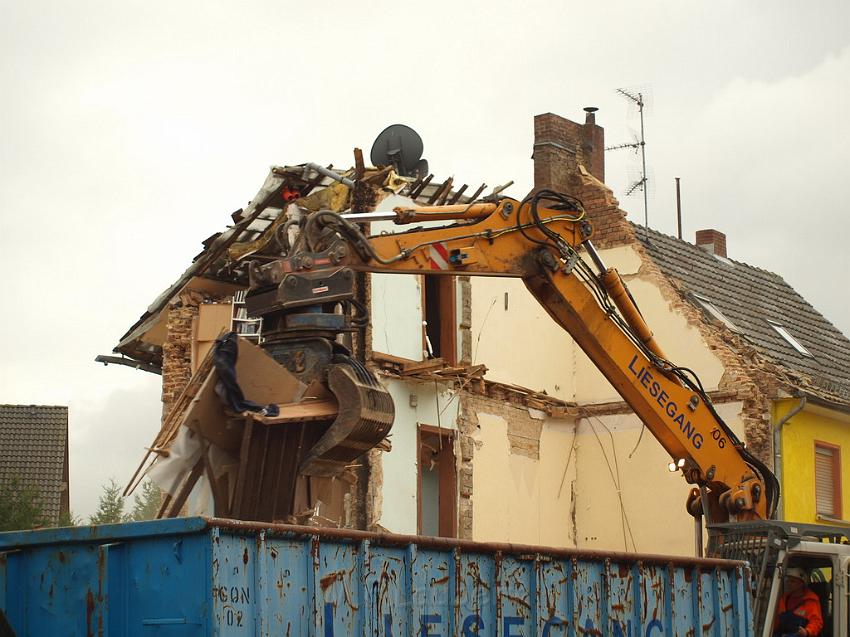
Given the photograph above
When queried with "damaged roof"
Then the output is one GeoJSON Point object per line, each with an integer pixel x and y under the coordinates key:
{"type": "Point", "coordinates": [755, 302]}
{"type": "Point", "coordinates": [34, 449]}
{"type": "Point", "coordinates": [220, 266]}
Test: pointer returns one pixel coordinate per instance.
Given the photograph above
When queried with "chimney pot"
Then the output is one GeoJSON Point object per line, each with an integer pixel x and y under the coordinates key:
{"type": "Point", "coordinates": [590, 118]}
{"type": "Point", "coordinates": [712, 241]}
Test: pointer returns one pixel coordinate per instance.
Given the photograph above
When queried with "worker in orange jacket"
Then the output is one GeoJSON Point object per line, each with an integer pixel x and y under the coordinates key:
{"type": "Point", "coordinates": [798, 612]}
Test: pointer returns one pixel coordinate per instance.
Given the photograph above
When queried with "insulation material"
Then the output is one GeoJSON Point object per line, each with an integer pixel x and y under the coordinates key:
{"type": "Point", "coordinates": [168, 472]}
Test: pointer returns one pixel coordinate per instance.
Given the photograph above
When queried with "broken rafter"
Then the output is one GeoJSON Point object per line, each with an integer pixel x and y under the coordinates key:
{"type": "Point", "coordinates": [457, 195]}
{"type": "Point", "coordinates": [446, 191]}
{"type": "Point", "coordinates": [439, 191]}
{"type": "Point", "coordinates": [359, 167]}
{"type": "Point", "coordinates": [415, 192]}
{"type": "Point", "coordinates": [478, 192]}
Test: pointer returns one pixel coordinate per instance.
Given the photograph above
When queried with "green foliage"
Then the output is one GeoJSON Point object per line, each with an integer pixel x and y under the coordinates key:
{"type": "Point", "coordinates": [20, 506]}
{"type": "Point", "coordinates": [110, 509]}
{"type": "Point", "coordinates": [67, 518]}
{"type": "Point", "coordinates": [147, 502]}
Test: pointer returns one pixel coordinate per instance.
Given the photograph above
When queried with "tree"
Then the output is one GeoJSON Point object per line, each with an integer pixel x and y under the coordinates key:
{"type": "Point", "coordinates": [67, 518]}
{"type": "Point", "coordinates": [146, 504]}
{"type": "Point", "coordinates": [20, 506]}
{"type": "Point", "coordinates": [110, 508]}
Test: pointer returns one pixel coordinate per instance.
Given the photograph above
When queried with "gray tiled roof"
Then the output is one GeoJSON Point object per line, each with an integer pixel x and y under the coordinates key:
{"type": "Point", "coordinates": [750, 297]}
{"type": "Point", "coordinates": [32, 447]}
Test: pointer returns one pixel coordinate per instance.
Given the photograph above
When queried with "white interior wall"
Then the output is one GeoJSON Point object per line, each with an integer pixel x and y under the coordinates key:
{"type": "Point", "coordinates": [396, 299]}
{"type": "Point", "coordinates": [435, 408]}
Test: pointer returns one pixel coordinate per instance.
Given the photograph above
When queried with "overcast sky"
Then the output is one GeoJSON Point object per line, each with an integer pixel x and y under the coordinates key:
{"type": "Point", "coordinates": [131, 130]}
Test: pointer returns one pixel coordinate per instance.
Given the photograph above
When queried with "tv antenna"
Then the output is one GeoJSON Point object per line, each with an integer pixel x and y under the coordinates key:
{"type": "Point", "coordinates": [401, 147]}
{"type": "Point", "coordinates": [638, 145]}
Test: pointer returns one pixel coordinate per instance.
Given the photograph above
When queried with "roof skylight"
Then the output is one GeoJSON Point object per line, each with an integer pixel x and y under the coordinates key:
{"type": "Point", "coordinates": [709, 307]}
{"type": "Point", "coordinates": [793, 342]}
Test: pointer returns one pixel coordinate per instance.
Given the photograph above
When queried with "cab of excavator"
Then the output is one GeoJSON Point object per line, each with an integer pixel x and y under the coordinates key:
{"type": "Point", "coordinates": [771, 547]}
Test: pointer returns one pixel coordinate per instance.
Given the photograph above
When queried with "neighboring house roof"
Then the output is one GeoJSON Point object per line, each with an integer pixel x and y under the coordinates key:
{"type": "Point", "coordinates": [34, 448]}
{"type": "Point", "coordinates": [752, 299]}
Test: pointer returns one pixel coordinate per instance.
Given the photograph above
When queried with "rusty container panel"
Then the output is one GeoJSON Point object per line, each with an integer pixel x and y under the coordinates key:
{"type": "Point", "coordinates": [225, 578]}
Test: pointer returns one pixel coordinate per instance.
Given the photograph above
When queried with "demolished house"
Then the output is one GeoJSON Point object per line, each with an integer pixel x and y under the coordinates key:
{"type": "Point", "coordinates": [501, 428]}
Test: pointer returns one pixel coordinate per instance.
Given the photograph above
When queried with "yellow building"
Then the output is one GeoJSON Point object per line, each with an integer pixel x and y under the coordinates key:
{"type": "Point", "coordinates": [815, 472]}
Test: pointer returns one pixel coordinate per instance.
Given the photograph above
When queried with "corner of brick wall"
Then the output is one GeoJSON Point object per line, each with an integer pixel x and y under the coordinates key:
{"type": "Point", "coordinates": [467, 424]}
{"type": "Point", "coordinates": [177, 349]}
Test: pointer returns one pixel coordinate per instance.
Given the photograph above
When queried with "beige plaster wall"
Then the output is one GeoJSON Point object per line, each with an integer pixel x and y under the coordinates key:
{"type": "Point", "coordinates": [516, 497]}
{"type": "Point", "coordinates": [626, 498]}
{"type": "Point", "coordinates": [521, 344]}
{"type": "Point", "coordinates": [680, 341]}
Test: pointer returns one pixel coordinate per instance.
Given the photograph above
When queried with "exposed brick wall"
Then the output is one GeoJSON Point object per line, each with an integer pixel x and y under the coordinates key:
{"type": "Point", "coordinates": [177, 349]}
{"type": "Point", "coordinates": [465, 326]}
{"type": "Point", "coordinates": [374, 489]}
{"type": "Point", "coordinates": [467, 424]}
{"type": "Point", "coordinates": [569, 158]}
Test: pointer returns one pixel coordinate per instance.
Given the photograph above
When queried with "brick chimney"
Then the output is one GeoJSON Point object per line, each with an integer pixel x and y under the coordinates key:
{"type": "Point", "coordinates": [560, 145]}
{"type": "Point", "coordinates": [570, 158]}
{"type": "Point", "coordinates": [712, 241]}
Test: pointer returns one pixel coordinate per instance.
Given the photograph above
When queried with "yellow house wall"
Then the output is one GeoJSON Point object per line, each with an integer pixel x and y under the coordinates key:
{"type": "Point", "coordinates": [798, 457]}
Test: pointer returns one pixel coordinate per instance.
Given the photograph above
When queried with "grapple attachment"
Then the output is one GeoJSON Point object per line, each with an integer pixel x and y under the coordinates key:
{"type": "Point", "coordinates": [366, 414]}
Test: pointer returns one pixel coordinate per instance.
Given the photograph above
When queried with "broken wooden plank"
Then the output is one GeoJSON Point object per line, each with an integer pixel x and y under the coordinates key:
{"type": "Point", "coordinates": [447, 189]}
{"type": "Point", "coordinates": [359, 167]}
{"type": "Point", "coordinates": [185, 489]}
{"type": "Point", "coordinates": [323, 409]}
{"type": "Point", "coordinates": [439, 191]}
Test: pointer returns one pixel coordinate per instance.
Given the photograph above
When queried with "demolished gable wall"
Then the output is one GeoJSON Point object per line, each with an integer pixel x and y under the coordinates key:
{"type": "Point", "coordinates": [739, 385]}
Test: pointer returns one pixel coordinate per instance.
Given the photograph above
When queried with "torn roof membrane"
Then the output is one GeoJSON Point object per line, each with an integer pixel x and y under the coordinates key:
{"type": "Point", "coordinates": [218, 267]}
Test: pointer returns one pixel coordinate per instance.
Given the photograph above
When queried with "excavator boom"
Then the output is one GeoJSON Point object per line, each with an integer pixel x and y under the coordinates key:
{"type": "Point", "coordinates": [545, 247]}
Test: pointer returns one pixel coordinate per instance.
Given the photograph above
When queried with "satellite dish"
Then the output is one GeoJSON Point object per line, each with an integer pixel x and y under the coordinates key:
{"type": "Point", "coordinates": [401, 147]}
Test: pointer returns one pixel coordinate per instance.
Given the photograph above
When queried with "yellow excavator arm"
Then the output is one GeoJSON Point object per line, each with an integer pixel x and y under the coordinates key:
{"type": "Point", "coordinates": [544, 246]}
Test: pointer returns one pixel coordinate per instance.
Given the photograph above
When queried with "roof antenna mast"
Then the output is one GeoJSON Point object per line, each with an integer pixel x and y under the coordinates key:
{"type": "Point", "coordinates": [639, 100]}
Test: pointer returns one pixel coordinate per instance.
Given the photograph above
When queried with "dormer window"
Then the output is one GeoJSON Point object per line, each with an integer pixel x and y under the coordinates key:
{"type": "Point", "coordinates": [793, 342]}
{"type": "Point", "coordinates": [709, 307]}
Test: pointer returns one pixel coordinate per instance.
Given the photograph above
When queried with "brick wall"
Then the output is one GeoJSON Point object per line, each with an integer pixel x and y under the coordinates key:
{"type": "Point", "coordinates": [570, 158]}
{"type": "Point", "coordinates": [177, 349]}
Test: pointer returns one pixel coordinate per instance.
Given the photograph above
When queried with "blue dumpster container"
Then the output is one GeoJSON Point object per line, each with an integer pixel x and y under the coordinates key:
{"type": "Point", "coordinates": [196, 576]}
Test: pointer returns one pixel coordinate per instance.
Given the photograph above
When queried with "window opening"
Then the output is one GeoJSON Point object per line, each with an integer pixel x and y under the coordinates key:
{"type": "Point", "coordinates": [709, 307]}
{"type": "Point", "coordinates": [439, 318]}
{"type": "Point", "coordinates": [828, 480]}
{"type": "Point", "coordinates": [793, 342]}
{"type": "Point", "coordinates": [437, 480]}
